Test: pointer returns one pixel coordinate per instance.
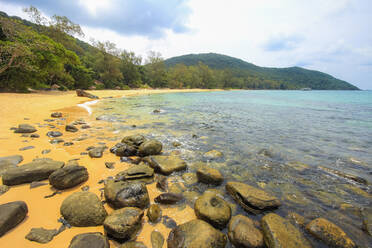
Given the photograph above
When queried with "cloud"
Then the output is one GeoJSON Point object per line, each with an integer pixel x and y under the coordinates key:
{"type": "Point", "coordinates": [282, 42]}
{"type": "Point", "coordinates": [150, 18]}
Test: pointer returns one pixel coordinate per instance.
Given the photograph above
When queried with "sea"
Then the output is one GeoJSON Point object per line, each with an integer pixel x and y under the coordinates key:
{"type": "Point", "coordinates": [311, 149]}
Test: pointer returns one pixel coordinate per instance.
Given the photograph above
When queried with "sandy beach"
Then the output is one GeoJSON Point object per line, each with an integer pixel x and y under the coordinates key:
{"type": "Point", "coordinates": [44, 212]}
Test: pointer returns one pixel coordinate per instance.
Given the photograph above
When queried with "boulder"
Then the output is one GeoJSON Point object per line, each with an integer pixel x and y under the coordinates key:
{"type": "Point", "coordinates": [213, 154]}
{"type": "Point", "coordinates": [41, 235]}
{"type": "Point", "coordinates": [150, 147]}
{"type": "Point", "coordinates": [134, 140]}
{"type": "Point", "coordinates": [242, 233]}
{"type": "Point", "coordinates": [196, 234]}
{"type": "Point", "coordinates": [133, 244]}
{"type": "Point", "coordinates": [83, 209]}
{"type": "Point", "coordinates": [279, 232]}
{"type": "Point", "coordinates": [250, 198]}
{"type": "Point", "coordinates": [56, 115]}
{"type": "Point", "coordinates": [89, 240]}
{"type": "Point", "coordinates": [126, 194]}
{"type": "Point", "coordinates": [68, 176]}
{"type": "Point", "coordinates": [71, 128]}
{"type": "Point", "coordinates": [83, 93]}
{"type": "Point", "coordinates": [141, 172]}
{"type": "Point", "coordinates": [124, 224]}
{"type": "Point", "coordinates": [54, 134]}
{"type": "Point", "coordinates": [11, 214]}
{"type": "Point", "coordinates": [123, 150]}
{"type": "Point", "coordinates": [168, 198]}
{"type": "Point", "coordinates": [97, 152]}
{"type": "Point", "coordinates": [9, 162]}
{"type": "Point", "coordinates": [166, 164]}
{"type": "Point", "coordinates": [209, 176]}
{"type": "Point", "coordinates": [154, 213]}
{"type": "Point", "coordinates": [329, 233]}
{"type": "Point", "coordinates": [3, 189]}
{"type": "Point", "coordinates": [37, 170]}
{"type": "Point", "coordinates": [25, 128]}
{"type": "Point", "coordinates": [212, 209]}
{"type": "Point", "coordinates": [157, 239]}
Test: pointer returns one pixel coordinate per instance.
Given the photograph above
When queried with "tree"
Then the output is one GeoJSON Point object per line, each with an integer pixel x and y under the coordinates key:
{"type": "Point", "coordinates": [130, 68]}
{"type": "Point", "coordinates": [155, 70]}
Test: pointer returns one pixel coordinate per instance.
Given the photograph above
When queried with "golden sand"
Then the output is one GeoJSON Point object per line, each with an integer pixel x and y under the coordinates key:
{"type": "Point", "coordinates": [44, 212]}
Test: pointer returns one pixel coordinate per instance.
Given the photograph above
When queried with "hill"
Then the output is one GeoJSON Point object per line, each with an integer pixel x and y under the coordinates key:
{"type": "Point", "coordinates": [290, 78]}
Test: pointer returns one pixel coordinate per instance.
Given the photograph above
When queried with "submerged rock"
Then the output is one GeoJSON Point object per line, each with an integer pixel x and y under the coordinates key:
{"type": "Point", "coordinates": [71, 128]}
{"type": "Point", "coordinates": [250, 198]}
{"type": "Point", "coordinates": [11, 214]}
{"type": "Point", "coordinates": [89, 240]}
{"type": "Point", "coordinates": [68, 176]}
{"type": "Point", "coordinates": [367, 220]}
{"type": "Point", "coordinates": [196, 233]}
{"type": "Point", "coordinates": [279, 232]}
{"type": "Point", "coordinates": [242, 233]}
{"type": "Point", "coordinates": [124, 224]}
{"type": "Point", "coordinates": [213, 154]}
{"type": "Point", "coordinates": [25, 128]}
{"type": "Point", "coordinates": [213, 209]}
{"type": "Point", "coordinates": [157, 239]}
{"type": "Point", "coordinates": [39, 169]}
{"type": "Point", "coordinates": [166, 164]}
{"type": "Point", "coordinates": [154, 213]}
{"type": "Point", "coordinates": [189, 178]}
{"type": "Point", "coordinates": [41, 235]}
{"type": "Point", "coordinates": [168, 198]}
{"type": "Point", "coordinates": [209, 176]}
{"type": "Point", "coordinates": [83, 209]}
{"type": "Point", "coordinates": [329, 233]}
{"type": "Point", "coordinates": [150, 147]}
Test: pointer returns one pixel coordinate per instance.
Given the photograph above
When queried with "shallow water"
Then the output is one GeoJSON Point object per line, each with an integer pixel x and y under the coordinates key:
{"type": "Point", "coordinates": [281, 141]}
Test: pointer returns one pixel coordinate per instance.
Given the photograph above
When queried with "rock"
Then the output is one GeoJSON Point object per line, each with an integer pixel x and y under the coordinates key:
{"type": "Point", "coordinates": [83, 93]}
{"type": "Point", "coordinates": [37, 184]}
{"type": "Point", "coordinates": [157, 239]}
{"type": "Point", "coordinates": [168, 198]}
{"type": "Point", "coordinates": [296, 218]}
{"type": "Point", "coordinates": [54, 134]}
{"type": "Point", "coordinates": [134, 140]}
{"type": "Point", "coordinates": [56, 115]}
{"type": "Point", "coordinates": [3, 189]}
{"type": "Point", "coordinates": [25, 128]}
{"type": "Point", "coordinates": [11, 214]}
{"type": "Point", "coordinates": [213, 154]}
{"type": "Point", "coordinates": [123, 150]}
{"type": "Point", "coordinates": [367, 220]}
{"type": "Point", "coordinates": [85, 126]}
{"type": "Point", "coordinates": [56, 141]}
{"type": "Point", "coordinates": [279, 232]}
{"type": "Point", "coordinates": [154, 213]}
{"type": "Point", "coordinates": [110, 165]}
{"type": "Point", "coordinates": [166, 164]}
{"type": "Point", "coordinates": [196, 234]}
{"type": "Point", "coordinates": [9, 162]}
{"type": "Point", "coordinates": [26, 148]}
{"type": "Point", "coordinates": [45, 151]}
{"type": "Point", "coordinates": [83, 209]}
{"type": "Point", "coordinates": [68, 143]}
{"type": "Point", "coordinates": [242, 233]}
{"type": "Point", "coordinates": [349, 176]}
{"type": "Point", "coordinates": [133, 244]}
{"type": "Point", "coordinates": [161, 183]}
{"type": "Point", "coordinates": [155, 111]}
{"type": "Point", "coordinates": [191, 197]}
{"type": "Point", "coordinates": [41, 235]}
{"type": "Point", "coordinates": [37, 170]}
{"type": "Point", "coordinates": [124, 224]}
{"type": "Point", "coordinates": [212, 209]}
{"type": "Point", "coordinates": [126, 194]}
{"type": "Point", "coordinates": [89, 240]}
{"type": "Point", "coordinates": [97, 152]}
{"type": "Point", "coordinates": [68, 176]}
{"type": "Point", "coordinates": [137, 172]}
{"type": "Point", "coordinates": [71, 128]}
{"type": "Point", "coordinates": [329, 233]}
{"type": "Point", "coordinates": [176, 188]}
{"type": "Point", "coordinates": [35, 135]}
{"type": "Point", "coordinates": [176, 144]}
{"type": "Point", "coordinates": [169, 222]}
{"type": "Point", "coordinates": [250, 198]}
{"type": "Point", "coordinates": [189, 178]}
{"type": "Point", "coordinates": [209, 176]}
{"type": "Point", "coordinates": [150, 147]}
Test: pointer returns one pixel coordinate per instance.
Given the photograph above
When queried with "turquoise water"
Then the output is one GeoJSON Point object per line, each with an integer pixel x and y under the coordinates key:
{"type": "Point", "coordinates": [273, 139]}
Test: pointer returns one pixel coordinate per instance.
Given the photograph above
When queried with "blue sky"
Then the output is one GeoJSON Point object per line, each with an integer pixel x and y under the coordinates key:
{"type": "Point", "coordinates": [332, 36]}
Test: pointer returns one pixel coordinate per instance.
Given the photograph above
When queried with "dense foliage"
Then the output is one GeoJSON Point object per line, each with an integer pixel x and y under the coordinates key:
{"type": "Point", "coordinates": [44, 54]}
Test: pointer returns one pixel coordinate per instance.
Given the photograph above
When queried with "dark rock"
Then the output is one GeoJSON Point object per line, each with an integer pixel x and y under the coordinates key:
{"type": "Point", "coordinates": [11, 214]}
{"type": "Point", "coordinates": [166, 164]}
{"type": "Point", "coordinates": [37, 170]}
{"type": "Point", "coordinates": [126, 194]}
{"type": "Point", "coordinates": [157, 239]}
{"type": "Point", "coordinates": [168, 198]}
{"type": "Point", "coordinates": [279, 232]}
{"type": "Point", "coordinates": [161, 183]}
{"type": "Point", "coordinates": [97, 152]}
{"type": "Point", "coordinates": [150, 147]}
{"type": "Point", "coordinates": [213, 209]}
{"type": "Point", "coordinates": [169, 222]}
{"type": "Point", "coordinates": [56, 115]}
{"type": "Point", "coordinates": [56, 141]}
{"type": "Point", "coordinates": [124, 224]}
{"type": "Point", "coordinates": [3, 189]}
{"type": "Point", "coordinates": [89, 240]}
{"type": "Point", "coordinates": [68, 177]}
{"type": "Point", "coordinates": [134, 140]}
{"type": "Point", "coordinates": [35, 135]}
{"type": "Point", "coordinates": [154, 213]}
{"type": "Point", "coordinates": [133, 244]}
{"type": "Point", "coordinates": [68, 143]}
{"type": "Point", "coordinates": [156, 111]}
{"type": "Point", "coordinates": [329, 233]}
{"type": "Point", "coordinates": [26, 148]}
{"type": "Point", "coordinates": [349, 176]}
{"type": "Point", "coordinates": [85, 188]}
{"type": "Point", "coordinates": [242, 233]}
{"type": "Point", "coordinates": [71, 128]}
{"type": "Point", "coordinates": [196, 233]}
{"type": "Point", "coordinates": [25, 128]}
{"type": "Point", "coordinates": [123, 150]}
{"type": "Point", "coordinates": [250, 198]}
{"type": "Point", "coordinates": [85, 126]}
{"type": "Point", "coordinates": [41, 235]}
{"type": "Point", "coordinates": [37, 184]}
{"type": "Point", "coordinates": [53, 194]}
{"type": "Point", "coordinates": [176, 144]}
{"type": "Point", "coordinates": [46, 151]}
{"type": "Point", "coordinates": [83, 93]}
{"type": "Point", "coordinates": [110, 165]}
{"type": "Point", "coordinates": [137, 172]}
{"type": "Point", "coordinates": [209, 176]}
{"type": "Point", "coordinates": [54, 134]}
{"type": "Point", "coordinates": [83, 209]}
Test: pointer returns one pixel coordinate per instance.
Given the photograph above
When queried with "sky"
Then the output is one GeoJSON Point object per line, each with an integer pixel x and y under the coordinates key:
{"type": "Point", "coordinates": [332, 36]}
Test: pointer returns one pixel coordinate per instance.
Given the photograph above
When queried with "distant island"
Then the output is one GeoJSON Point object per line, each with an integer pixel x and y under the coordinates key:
{"type": "Point", "coordinates": [44, 54]}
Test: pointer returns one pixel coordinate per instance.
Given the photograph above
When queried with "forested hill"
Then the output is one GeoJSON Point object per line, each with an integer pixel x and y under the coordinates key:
{"type": "Point", "coordinates": [261, 77]}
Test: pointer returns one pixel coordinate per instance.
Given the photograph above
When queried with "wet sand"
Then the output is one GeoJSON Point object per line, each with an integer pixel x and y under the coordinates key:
{"type": "Point", "coordinates": [44, 212]}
